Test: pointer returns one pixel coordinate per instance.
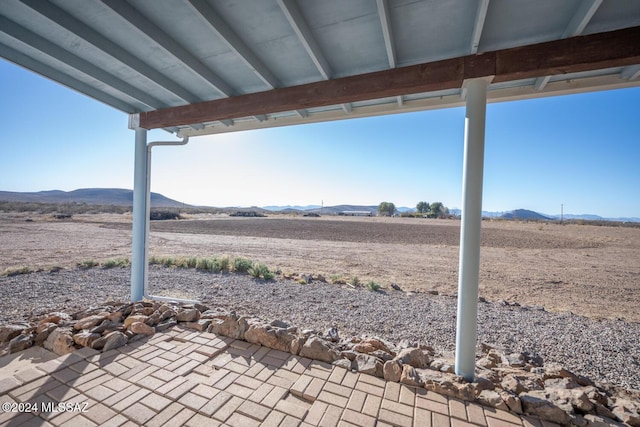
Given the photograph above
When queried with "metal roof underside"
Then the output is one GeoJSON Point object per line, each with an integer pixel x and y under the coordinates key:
{"type": "Point", "coordinates": [140, 56]}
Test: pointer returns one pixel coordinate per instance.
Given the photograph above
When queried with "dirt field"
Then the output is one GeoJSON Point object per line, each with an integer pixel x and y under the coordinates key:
{"type": "Point", "coordinates": [588, 270]}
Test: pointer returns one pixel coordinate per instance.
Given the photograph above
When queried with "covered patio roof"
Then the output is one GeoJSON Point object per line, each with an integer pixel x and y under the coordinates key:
{"type": "Point", "coordinates": [197, 67]}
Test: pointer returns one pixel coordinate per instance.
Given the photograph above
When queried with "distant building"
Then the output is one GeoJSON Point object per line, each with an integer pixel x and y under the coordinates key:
{"type": "Point", "coordinates": [355, 213]}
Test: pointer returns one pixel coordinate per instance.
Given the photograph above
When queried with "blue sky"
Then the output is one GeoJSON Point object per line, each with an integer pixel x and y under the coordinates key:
{"type": "Point", "coordinates": [582, 151]}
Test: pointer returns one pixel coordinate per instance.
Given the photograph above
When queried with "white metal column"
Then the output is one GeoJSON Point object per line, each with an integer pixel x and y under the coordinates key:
{"type": "Point", "coordinates": [474, 129]}
{"type": "Point", "coordinates": [141, 210]}
{"type": "Point", "coordinates": [140, 218]}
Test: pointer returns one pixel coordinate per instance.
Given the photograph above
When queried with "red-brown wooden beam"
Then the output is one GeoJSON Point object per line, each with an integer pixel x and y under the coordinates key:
{"type": "Point", "coordinates": [582, 53]}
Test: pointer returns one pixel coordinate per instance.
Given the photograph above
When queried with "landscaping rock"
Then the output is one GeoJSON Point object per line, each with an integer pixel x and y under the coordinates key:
{"type": "Point", "coordinates": [382, 355]}
{"type": "Point", "coordinates": [350, 354]}
{"type": "Point", "coordinates": [627, 412]}
{"type": "Point", "coordinates": [561, 383]}
{"type": "Point", "coordinates": [415, 357]}
{"type": "Point", "coordinates": [481, 384]}
{"type": "Point", "coordinates": [515, 360]}
{"type": "Point", "coordinates": [201, 325]}
{"type": "Point", "coordinates": [448, 384]}
{"type": "Point", "coordinates": [554, 370]}
{"type": "Point", "coordinates": [392, 370]}
{"type": "Point", "coordinates": [268, 336]}
{"type": "Point", "coordinates": [600, 421]}
{"type": "Point", "coordinates": [577, 398]}
{"type": "Point", "coordinates": [135, 318]}
{"type": "Point", "coordinates": [229, 325]}
{"type": "Point", "coordinates": [536, 403]}
{"type": "Point", "coordinates": [411, 377]}
{"type": "Point", "coordinates": [521, 383]}
{"type": "Point", "coordinates": [89, 322]}
{"type": "Point", "coordinates": [114, 340]}
{"type": "Point", "coordinates": [167, 314]}
{"type": "Point", "coordinates": [318, 349]}
{"type": "Point", "coordinates": [85, 338]}
{"type": "Point", "coordinates": [603, 411]}
{"type": "Point", "coordinates": [486, 363]}
{"type": "Point", "coordinates": [333, 335]}
{"type": "Point", "coordinates": [512, 401]}
{"type": "Point", "coordinates": [296, 345]}
{"type": "Point", "coordinates": [442, 366]}
{"type": "Point", "coordinates": [91, 311]}
{"type": "Point", "coordinates": [19, 343]}
{"type": "Point", "coordinates": [344, 363]}
{"type": "Point", "coordinates": [143, 311]}
{"type": "Point", "coordinates": [279, 324]}
{"type": "Point", "coordinates": [371, 345]}
{"type": "Point", "coordinates": [8, 332]}
{"type": "Point", "coordinates": [107, 326]}
{"type": "Point", "coordinates": [188, 315]}
{"type": "Point", "coordinates": [366, 364]}
{"type": "Point", "coordinates": [493, 399]}
{"type": "Point", "coordinates": [42, 332]}
{"type": "Point", "coordinates": [55, 317]}
{"type": "Point", "coordinates": [60, 341]}
{"type": "Point", "coordinates": [163, 326]}
{"type": "Point", "coordinates": [142, 328]}
{"type": "Point", "coordinates": [115, 317]}
{"type": "Point", "coordinates": [514, 382]}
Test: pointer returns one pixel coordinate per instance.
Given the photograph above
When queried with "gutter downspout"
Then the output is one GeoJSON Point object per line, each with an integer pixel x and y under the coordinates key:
{"type": "Point", "coordinates": [145, 294]}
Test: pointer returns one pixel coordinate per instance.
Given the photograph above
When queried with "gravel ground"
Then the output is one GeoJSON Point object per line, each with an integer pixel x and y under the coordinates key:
{"type": "Point", "coordinates": [604, 350]}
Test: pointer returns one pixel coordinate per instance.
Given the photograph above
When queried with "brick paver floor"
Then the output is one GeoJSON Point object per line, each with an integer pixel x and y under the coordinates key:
{"type": "Point", "coordinates": [182, 377]}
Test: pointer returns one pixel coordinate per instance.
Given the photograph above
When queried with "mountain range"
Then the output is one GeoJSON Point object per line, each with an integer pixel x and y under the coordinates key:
{"type": "Point", "coordinates": [90, 196]}
{"type": "Point", "coordinates": [531, 215]}
{"type": "Point", "coordinates": [124, 197]}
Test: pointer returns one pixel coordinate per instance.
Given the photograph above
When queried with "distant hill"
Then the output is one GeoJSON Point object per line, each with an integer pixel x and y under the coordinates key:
{"type": "Point", "coordinates": [588, 217]}
{"type": "Point", "coordinates": [485, 214]}
{"type": "Point", "coordinates": [591, 217]}
{"type": "Point", "coordinates": [335, 210]}
{"type": "Point", "coordinates": [329, 210]}
{"type": "Point", "coordinates": [290, 208]}
{"type": "Point", "coordinates": [525, 214]}
{"type": "Point", "coordinates": [515, 214]}
{"type": "Point", "coordinates": [90, 196]}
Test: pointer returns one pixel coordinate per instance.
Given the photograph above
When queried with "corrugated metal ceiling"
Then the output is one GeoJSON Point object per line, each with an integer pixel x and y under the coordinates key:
{"type": "Point", "coordinates": [141, 55]}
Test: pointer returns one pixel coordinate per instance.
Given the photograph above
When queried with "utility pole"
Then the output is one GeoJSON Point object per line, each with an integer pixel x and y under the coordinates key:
{"type": "Point", "coordinates": [561, 213]}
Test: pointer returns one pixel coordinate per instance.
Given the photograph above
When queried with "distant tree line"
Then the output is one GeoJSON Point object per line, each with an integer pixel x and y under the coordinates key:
{"type": "Point", "coordinates": [61, 208]}
{"type": "Point", "coordinates": [387, 209]}
{"type": "Point", "coordinates": [423, 209]}
{"type": "Point", "coordinates": [74, 208]}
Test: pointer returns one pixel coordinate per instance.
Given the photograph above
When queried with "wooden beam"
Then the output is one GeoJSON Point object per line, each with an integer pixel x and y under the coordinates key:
{"type": "Point", "coordinates": [572, 55]}
{"type": "Point", "coordinates": [583, 53]}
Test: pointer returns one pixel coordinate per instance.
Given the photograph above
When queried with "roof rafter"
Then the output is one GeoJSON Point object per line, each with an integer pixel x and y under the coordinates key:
{"type": "Point", "coordinates": [577, 54]}
{"type": "Point", "coordinates": [234, 42]}
{"type": "Point", "coordinates": [579, 21]}
{"type": "Point", "coordinates": [135, 18]}
{"type": "Point", "coordinates": [45, 70]}
{"type": "Point", "coordinates": [478, 25]}
{"type": "Point", "coordinates": [387, 34]}
{"type": "Point", "coordinates": [45, 46]}
{"type": "Point", "coordinates": [630, 72]}
{"type": "Point", "coordinates": [300, 26]}
{"type": "Point", "coordinates": [581, 18]}
{"type": "Point", "coordinates": [73, 25]}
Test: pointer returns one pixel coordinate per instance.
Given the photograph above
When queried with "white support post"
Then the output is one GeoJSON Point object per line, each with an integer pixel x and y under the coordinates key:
{"type": "Point", "coordinates": [140, 218]}
{"type": "Point", "coordinates": [474, 129]}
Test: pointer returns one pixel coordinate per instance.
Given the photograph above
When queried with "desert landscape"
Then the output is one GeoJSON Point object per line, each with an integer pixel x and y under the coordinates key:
{"type": "Point", "coordinates": [592, 271]}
